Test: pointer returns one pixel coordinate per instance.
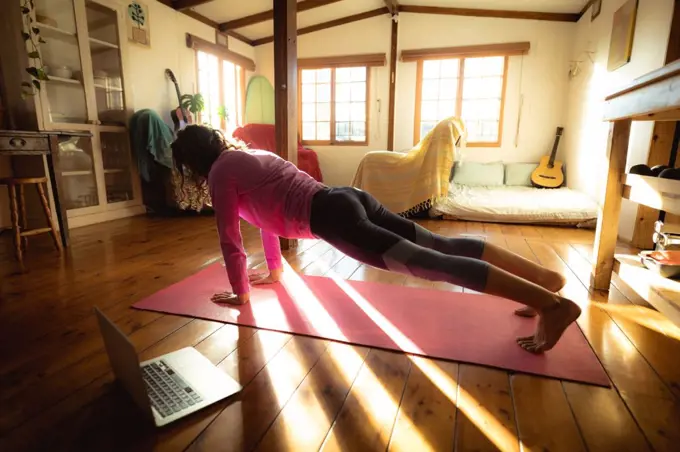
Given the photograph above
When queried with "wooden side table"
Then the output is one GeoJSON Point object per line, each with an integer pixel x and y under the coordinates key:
{"type": "Point", "coordinates": [16, 143]}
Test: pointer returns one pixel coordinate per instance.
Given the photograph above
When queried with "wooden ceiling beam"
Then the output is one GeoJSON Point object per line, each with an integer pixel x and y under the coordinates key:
{"type": "Point", "coordinates": [180, 5]}
{"type": "Point", "coordinates": [264, 16]}
{"type": "Point", "coordinates": [586, 8]}
{"type": "Point", "coordinates": [503, 14]}
{"type": "Point", "coordinates": [215, 25]}
{"type": "Point", "coordinates": [330, 24]}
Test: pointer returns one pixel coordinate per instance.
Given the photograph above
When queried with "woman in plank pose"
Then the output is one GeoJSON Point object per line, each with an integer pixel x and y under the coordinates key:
{"type": "Point", "coordinates": [272, 194]}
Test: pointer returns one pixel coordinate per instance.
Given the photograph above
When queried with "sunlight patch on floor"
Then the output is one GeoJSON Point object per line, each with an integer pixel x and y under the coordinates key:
{"type": "Point", "coordinates": [479, 416]}
{"type": "Point", "coordinates": [649, 318]}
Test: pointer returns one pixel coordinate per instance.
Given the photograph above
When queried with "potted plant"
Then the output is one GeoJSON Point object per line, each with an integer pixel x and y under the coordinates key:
{"type": "Point", "coordinates": [194, 103]}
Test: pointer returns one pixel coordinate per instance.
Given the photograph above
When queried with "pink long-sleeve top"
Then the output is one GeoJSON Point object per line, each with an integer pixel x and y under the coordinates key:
{"type": "Point", "coordinates": [266, 191]}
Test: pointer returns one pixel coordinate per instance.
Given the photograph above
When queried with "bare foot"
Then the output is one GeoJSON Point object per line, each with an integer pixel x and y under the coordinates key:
{"type": "Point", "coordinates": [552, 323]}
{"type": "Point", "coordinates": [554, 282]}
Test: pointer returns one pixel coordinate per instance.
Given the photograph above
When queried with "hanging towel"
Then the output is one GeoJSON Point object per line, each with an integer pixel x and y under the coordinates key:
{"type": "Point", "coordinates": [150, 139]}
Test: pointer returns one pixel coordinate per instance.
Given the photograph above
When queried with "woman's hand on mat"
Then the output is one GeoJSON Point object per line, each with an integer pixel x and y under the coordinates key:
{"type": "Point", "coordinates": [273, 277]}
{"type": "Point", "coordinates": [231, 298]}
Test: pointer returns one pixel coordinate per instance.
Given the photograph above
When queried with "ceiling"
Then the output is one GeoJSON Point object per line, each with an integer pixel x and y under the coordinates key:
{"type": "Point", "coordinates": [225, 10]}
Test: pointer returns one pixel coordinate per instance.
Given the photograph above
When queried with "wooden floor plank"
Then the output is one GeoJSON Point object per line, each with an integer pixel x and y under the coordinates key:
{"type": "Point", "coordinates": [544, 417]}
{"type": "Point", "coordinates": [427, 415]}
{"type": "Point", "coordinates": [488, 422]}
{"type": "Point", "coordinates": [367, 417]}
{"type": "Point", "coordinates": [240, 425]}
{"type": "Point", "coordinates": [316, 402]}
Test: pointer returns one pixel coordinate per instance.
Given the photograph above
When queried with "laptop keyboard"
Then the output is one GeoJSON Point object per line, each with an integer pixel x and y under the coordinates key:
{"type": "Point", "coordinates": [168, 392]}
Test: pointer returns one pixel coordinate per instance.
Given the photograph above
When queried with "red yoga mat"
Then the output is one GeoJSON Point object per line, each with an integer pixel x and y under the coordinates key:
{"type": "Point", "coordinates": [477, 329]}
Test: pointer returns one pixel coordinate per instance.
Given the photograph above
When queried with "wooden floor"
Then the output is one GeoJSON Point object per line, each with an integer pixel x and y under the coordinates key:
{"type": "Point", "coordinates": [57, 391]}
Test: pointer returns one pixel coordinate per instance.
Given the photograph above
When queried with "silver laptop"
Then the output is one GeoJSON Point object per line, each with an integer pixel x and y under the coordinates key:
{"type": "Point", "coordinates": [168, 387]}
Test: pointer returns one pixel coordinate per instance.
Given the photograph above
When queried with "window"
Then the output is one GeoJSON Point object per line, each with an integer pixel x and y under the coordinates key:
{"type": "Point", "coordinates": [471, 88]}
{"type": "Point", "coordinates": [221, 83]}
{"type": "Point", "coordinates": [333, 105]}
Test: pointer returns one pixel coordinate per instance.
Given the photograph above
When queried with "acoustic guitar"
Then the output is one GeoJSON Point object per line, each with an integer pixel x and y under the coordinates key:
{"type": "Point", "coordinates": [180, 116]}
{"type": "Point", "coordinates": [549, 172]}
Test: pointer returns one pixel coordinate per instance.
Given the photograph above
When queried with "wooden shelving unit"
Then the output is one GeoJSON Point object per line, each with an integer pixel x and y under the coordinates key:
{"type": "Point", "coordinates": [653, 97]}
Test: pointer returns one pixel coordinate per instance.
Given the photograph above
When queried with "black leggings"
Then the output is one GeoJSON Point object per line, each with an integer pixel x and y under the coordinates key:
{"type": "Point", "coordinates": [355, 223]}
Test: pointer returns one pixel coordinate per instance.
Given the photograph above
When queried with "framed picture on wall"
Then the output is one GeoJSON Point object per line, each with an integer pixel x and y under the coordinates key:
{"type": "Point", "coordinates": [596, 10]}
{"type": "Point", "coordinates": [138, 23]}
{"type": "Point", "coordinates": [623, 32]}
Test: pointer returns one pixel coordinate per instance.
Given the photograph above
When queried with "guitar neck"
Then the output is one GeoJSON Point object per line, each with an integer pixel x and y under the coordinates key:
{"type": "Point", "coordinates": [179, 95]}
{"type": "Point", "coordinates": [555, 145]}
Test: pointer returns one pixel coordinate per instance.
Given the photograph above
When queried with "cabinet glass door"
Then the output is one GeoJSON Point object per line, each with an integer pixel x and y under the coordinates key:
{"type": "Point", "coordinates": [103, 36]}
{"type": "Point", "coordinates": [75, 162]}
{"type": "Point", "coordinates": [61, 57]}
{"type": "Point", "coordinates": [116, 159]}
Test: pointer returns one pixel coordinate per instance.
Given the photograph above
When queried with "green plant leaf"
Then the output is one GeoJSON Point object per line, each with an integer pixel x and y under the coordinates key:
{"type": "Point", "coordinates": [25, 10]}
{"type": "Point", "coordinates": [34, 55]}
{"type": "Point", "coordinates": [42, 75]}
{"type": "Point", "coordinates": [36, 84]}
{"type": "Point", "coordinates": [36, 30]}
{"type": "Point", "coordinates": [33, 71]}
{"type": "Point", "coordinates": [25, 35]}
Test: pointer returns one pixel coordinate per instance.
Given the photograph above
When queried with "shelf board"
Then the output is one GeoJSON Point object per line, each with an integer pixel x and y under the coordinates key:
{"type": "Point", "coordinates": [114, 171]}
{"type": "Point", "coordinates": [98, 45]}
{"type": "Point", "coordinates": [71, 81]}
{"type": "Point", "coordinates": [76, 173]}
{"type": "Point", "coordinates": [654, 192]}
{"type": "Point", "coordinates": [109, 88]}
{"type": "Point", "coordinates": [662, 293]}
{"type": "Point", "coordinates": [55, 30]}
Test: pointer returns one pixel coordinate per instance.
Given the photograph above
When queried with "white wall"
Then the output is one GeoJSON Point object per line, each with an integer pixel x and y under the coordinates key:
{"type": "Point", "coordinates": [541, 77]}
{"type": "Point", "coordinates": [149, 86]}
{"type": "Point", "coordinates": [585, 139]}
{"type": "Point", "coordinates": [339, 163]}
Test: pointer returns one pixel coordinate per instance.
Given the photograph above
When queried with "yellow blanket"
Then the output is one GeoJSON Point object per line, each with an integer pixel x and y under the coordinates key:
{"type": "Point", "coordinates": [408, 183]}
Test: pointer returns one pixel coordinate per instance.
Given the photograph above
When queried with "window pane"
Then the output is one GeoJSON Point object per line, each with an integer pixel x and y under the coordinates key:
{"type": "Point", "coordinates": [484, 66]}
{"type": "Point", "coordinates": [308, 112]}
{"type": "Point", "coordinates": [308, 93]}
{"type": "Point", "coordinates": [450, 69]}
{"type": "Point", "coordinates": [323, 76]}
{"type": "Point", "coordinates": [482, 88]}
{"type": "Point", "coordinates": [430, 89]}
{"type": "Point", "coordinates": [358, 131]}
{"type": "Point", "coordinates": [323, 92]}
{"type": "Point", "coordinates": [359, 74]}
{"type": "Point", "coordinates": [359, 111]}
{"type": "Point", "coordinates": [342, 92]}
{"type": "Point", "coordinates": [323, 130]}
{"type": "Point", "coordinates": [448, 88]}
{"type": "Point", "coordinates": [431, 69]}
{"type": "Point", "coordinates": [308, 130]}
{"type": "Point", "coordinates": [445, 109]}
{"type": "Point", "coordinates": [323, 112]}
{"type": "Point", "coordinates": [342, 131]}
{"type": "Point", "coordinates": [358, 91]}
{"type": "Point", "coordinates": [482, 109]}
{"type": "Point", "coordinates": [308, 76]}
{"type": "Point", "coordinates": [343, 74]}
{"type": "Point", "coordinates": [490, 130]}
{"type": "Point", "coordinates": [425, 127]}
{"type": "Point", "coordinates": [473, 130]}
{"type": "Point", "coordinates": [429, 111]}
{"type": "Point", "coordinates": [342, 111]}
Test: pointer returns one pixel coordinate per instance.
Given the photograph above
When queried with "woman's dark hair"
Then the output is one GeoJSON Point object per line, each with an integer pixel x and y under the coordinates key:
{"type": "Point", "coordinates": [196, 149]}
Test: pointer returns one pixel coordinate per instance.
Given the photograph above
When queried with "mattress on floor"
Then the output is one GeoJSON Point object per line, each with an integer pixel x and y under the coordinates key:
{"type": "Point", "coordinates": [510, 204]}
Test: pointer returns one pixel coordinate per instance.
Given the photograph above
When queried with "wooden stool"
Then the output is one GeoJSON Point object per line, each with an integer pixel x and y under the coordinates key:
{"type": "Point", "coordinates": [18, 207]}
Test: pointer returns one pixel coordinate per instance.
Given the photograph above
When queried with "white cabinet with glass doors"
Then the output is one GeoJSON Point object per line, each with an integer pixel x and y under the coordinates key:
{"type": "Point", "coordinates": [84, 51]}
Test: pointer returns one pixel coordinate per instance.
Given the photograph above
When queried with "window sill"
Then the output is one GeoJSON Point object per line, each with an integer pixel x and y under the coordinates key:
{"type": "Point", "coordinates": [483, 145]}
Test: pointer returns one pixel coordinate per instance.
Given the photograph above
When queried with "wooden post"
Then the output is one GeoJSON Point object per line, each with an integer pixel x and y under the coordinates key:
{"type": "Point", "coordinates": [660, 147]}
{"type": "Point", "coordinates": [285, 84]}
{"type": "Point", "coordinates": [393, 83]}
{"type": "Point", "coordinates": [607, 231]}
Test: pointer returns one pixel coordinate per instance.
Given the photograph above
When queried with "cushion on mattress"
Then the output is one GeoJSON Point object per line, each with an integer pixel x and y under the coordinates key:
{"type": "Point", "coordinates": [476, 174]}
{"type": "Point", "coordinates": [519, 174]}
